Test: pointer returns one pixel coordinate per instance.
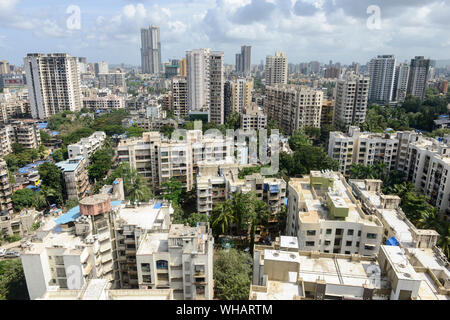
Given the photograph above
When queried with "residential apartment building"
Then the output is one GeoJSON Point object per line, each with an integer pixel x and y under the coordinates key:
{"type": "Point", "coordinates": [276, 69]}
{"type": "Point", "coordinates": [180, 259]}
{"type": "Point", "coordinates": [112, 81]}
{"type": "Point", "coordinates": [101, 67]}
{"type": "Point", "coordinates": [285, 272]}
{"type": "Point", "coordinates": [100, 289]}
{"type": "Point", "coordinates": [352, 94]}
{"type": "Point", "coordinates": [241, 94]}
{"type": "Point", "coordinates": [326, 114]}
{"type": "Point", "coordinates": [86, 147]}
{"type": "Point", "coordinates": [243, 60]}
{"type": "Point", "coordinates": [5, 189]}
{"type": "Point", "coordinates": [425, 161]}
{"type": "Point", "coordinates": [205, 78]}
{"type": "Point", "coordinates": [325, 216]}
{"type": "Point", "coordinates": [151, 50]}
{"type": "Point", "coordinates": [418, 77]}
{"type": "Point", "coordinates": [104, 103]}
{"type": "Point", "coordinates": [216, 184]}
{"type": "Point", "coordinates": [401, 82]}
{"type": "Point", "coordinates": [5, 141]}
{"type": "Point", "coordinates": [362, 148]}
{"type": "Point", "coordinates": [158, 159]}
{"type": "Point", "coordinates": [53, 84]}
{"type": "Point", "coordinates": [129, 246]}
{"type": "Point", "coordinates": [397, 228]}
{"type": "Point", "coordinates": [75, 175]}
{"type": "Point", "coordinates": [293, 107]}
{"type": "Point", "coordinates": [382, 75]}
{"type": "Point", "coordinates": [253, 118]}
{"type": "Point", "coordinates": [179, 100]}
{"type": "Point", "coordinates": [25, 133]}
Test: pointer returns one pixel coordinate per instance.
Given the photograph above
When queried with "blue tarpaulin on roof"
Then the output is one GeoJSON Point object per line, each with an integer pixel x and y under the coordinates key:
{"type": "Point", "coordinates": [157, 205]}
{"type": "Point", "coordinates": [286, 201]}
{"type": "Point", "coordinates": [116, 203]}
{"type": "Point", "coordinates": [69, 216]}
{"type": "Point", "coordinates": [274, 188]}
{"type": "Point", "coordinates": [43, 125]}
{"type": "Point", "coordinates": [392, 241]}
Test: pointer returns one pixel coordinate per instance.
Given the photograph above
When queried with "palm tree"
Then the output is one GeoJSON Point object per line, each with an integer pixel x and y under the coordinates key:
{"type": "Point", "coordinates": [444, 239]}
{"type": "Point", "coordinates": [429, 219]}
{"type": "Point", "coordinates": [222, 216]}
{"type": "Point", "coordinates": [240, 208]}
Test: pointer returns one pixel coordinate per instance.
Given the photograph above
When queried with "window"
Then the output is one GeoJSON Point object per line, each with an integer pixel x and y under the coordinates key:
{"type": "Point", "coordinates": [309, 243]}
{"type": "Point", "coordinates": [357, 244]}
{"type": "Point", "coordinates": [369, 247]}
{"type": "Point", "coordinates": [327, 242]}
{"type": "Point", "coordinates": [161, 264]}
{"type": "Point", "coordinates": [311, 232]}
{"type": "Point", "coordinates": [359, 233]}
{"type": "Point", "coordinates": [347, 252]}
{"type": "Point", "coordinates": [350, 232]}
{"type": "Point", "coordinates": [348, 243]}
{"type": "Point", "coordinates": [145, 267]}
{"type": "Point", "coordinates": [337, 242]}
{"type": "Point", "coordinates": [147, 278]}
{"type": "Point", "coordinates": [339, 232]}
{"type": "Point", "coordinates": [329, 231]}
{"type": "Point", "coordinates": [371, 236]}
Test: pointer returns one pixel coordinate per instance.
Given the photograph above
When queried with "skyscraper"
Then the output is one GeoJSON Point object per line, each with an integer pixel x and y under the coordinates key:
{"type": "Point", "coordinates": [401, 82]}
{"type": "Point", "coordinates": [352, 94]}
{"type": "Point", "coordinates": [418, 76]}
{"type": "Point", "coordinates": [205, 77]}
{"type": "Point", "coordinates": [244, 60]}
{"type": "Point", "coordinates": [382, 74]}
{"type": "Point", "coordinates": [101, 67]}
{"type": "Point", "coordinates": [151, 50]}
{"type": "Point", "coordinates": [276, 69]}
{"type": "Point", "coordinates": [53, 84]}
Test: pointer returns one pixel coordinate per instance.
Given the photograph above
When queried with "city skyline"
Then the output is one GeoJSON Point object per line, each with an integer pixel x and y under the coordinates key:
{"type": "Point", "coordinates": [305, 30]}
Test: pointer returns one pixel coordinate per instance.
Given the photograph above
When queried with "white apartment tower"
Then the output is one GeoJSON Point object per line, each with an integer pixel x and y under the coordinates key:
{"type": "Point", "coordinates": [243, 60]}
{"type": "Point", "coordinates": [352, 94]}
{"type": "Point", "coordinates": [151, 50]}
{"type": "Point", "coordinates": [205, 79]}
{"type": "Point", "coordinates": [401, 82]}
{"type": "Point", "coordinates": [382, 73]}
{"type": "Point", "coordinates": [179, 101]}
{"type": "Point", "coordinates": [53, 84]}
{"type": "Point", "coordinates": [276, 69]}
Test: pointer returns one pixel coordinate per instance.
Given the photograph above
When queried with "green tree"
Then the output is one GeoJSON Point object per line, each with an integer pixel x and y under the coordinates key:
{"type": "Point", "coordinates": [172, 190]}
{"type": "Point", "coordinates": [23, 198]}
{"type": "Point", "coordinates": [51, 182]}
{"type": "Point", "coordinates": [196, 217]}
{"type": "Point", "coordinates": [45, 137]}
{"type": "Point", "coordinates": [134, 131]}
{"type": "Point", "coordinates": [232, 275]}
{"type": "Point", "coordinates": [299, 140]}
{"type": "Point", "coordinates": [12, 281]}
{"type": "Point", "coordinates": [222, 217]}
{"type": "Point", "coordinates": [101, 162]}
{"type": "Point", "coordinates": [233, 121]}
{"type": "Point", "coordinates": [58, 155]}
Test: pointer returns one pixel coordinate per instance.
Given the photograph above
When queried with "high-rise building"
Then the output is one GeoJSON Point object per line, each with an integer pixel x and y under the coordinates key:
{"type": "Point", "coordinates": [205, 77]}
{"type": "Point", "coordinates": [101, 67]}
{"type": "Point", "coordinates": [418, 76]}
{"type": "Point", "coordinates": [293, 107]}
{"type": "Point", "coordinates": [401, 82]}
{"type": "Point", "coordinates": [4, 67]}
{"type": "Point", "coordinates": [53, 84]}
{"type": "Point", "coordinates": [352, 94]}
{"type": "Point", "coordinates": [276, 69]}
{"type": "Point", "coordinates": [243, 60]}
{"type": "Point", "coordinates": [5, 189]}
{"type": "Point", "coordinates": [183, 65]}
{"type": "Point", "coordinates": [241, 94]}
{"type": "Point", "coordinates": [151, 50]}
{"type": "Point", "coordinates": [179, 99]}
{"type": "Point", "coordinates": [382, 74]}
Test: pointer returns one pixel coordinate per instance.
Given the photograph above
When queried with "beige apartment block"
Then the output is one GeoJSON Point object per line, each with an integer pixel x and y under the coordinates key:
{"type": "Point", "coordinates": [75, 175]}
{"type": "Point", "coordinates": [283, 272]}
{"type": "Point", "coordinates": [253, 118]}
{"type": "Point", "coordinates": [387, 209]}
{"type": "Point", "coordinates": [5, 188]}
{"type": "Point", "coordinates": [325, 216]}
{"type": "Point", "coordinates": [293, 107]}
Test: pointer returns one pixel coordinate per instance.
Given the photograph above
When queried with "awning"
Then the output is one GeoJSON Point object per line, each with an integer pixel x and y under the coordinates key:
{"type": "Point", "coordinates": [392, 241]}
{"type": "Point", "coordinates": [70, 216]}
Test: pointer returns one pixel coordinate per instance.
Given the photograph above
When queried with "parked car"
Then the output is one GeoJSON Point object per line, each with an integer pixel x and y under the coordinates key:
{"type": "Point", "coordinates": [2, 252]}
{"type": "Point", "coordinates": [12, 254]}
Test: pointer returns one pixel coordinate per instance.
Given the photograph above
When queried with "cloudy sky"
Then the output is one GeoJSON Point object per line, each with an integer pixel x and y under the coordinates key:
{"type": "Point", "coordinates": [323, 30]}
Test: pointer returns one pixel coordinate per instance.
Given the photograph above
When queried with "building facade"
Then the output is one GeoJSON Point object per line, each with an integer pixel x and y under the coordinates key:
{"type": "Point", "coordinates": [151, 50]}
{"type": "Point", "coordinates": [276, 69]}
{"type": "Point", "coordinates": [382, 75]}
